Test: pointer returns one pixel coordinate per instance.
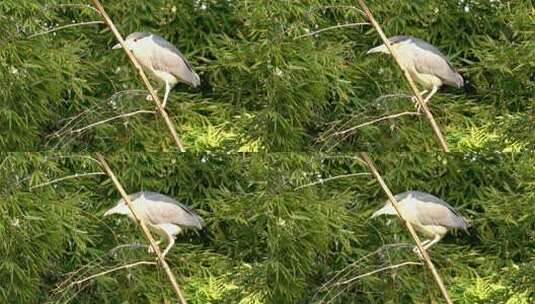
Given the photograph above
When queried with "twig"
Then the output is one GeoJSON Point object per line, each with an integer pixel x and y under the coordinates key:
{"type": "Point", "coordinates": [395, 203]}
{"type": "Point", "coordinates": [71, 120]}
{"type": "Point", "coordinates": [377, 251]}
{"type": "Point", "coordinates": [110, 119]}
{"type": "Point", "coordinates": [143, 227]}
{"type": "Point", "coordinates": [376, 271]}
{"type": "Point", "coordinates": [374, 121]}
{"type": "Point", "coordinates": [155, 97]}
{"type": "Point", "coordinates": [408, 77]}
{"type": "Point", "coordinates": [64, 27]}
{"type": "Point", "coordinates": [383, 97]}
{"type": "Point", "coordinates": [65, 178]}
{"type": "Point", "coordinates": [330, 179]}
{"type": "Point", "coordinates": [110, 271]}
{"type": "Point", "coordinates": [331, 28]}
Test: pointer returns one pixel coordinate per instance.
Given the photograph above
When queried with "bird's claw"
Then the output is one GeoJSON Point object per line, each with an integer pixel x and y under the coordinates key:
{"type": "Point", "coordinates": [417, 251]}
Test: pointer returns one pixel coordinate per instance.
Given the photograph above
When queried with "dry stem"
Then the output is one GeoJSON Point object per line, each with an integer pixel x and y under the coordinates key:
{"type": "Point", "coordinates": [374, 121]}
{"type": "Point", "coordinates": [331, 28]}
{"type": "Point", "coordinates": [65, 178]}
{"type": "Point", "coordinates": [331, 178]}
{"type": "Point", "coordinates": [110, 119]}
{"type": "Point", "coordinates": [376, 271]}
{"type": "Point", "coordinates": [64, 27]}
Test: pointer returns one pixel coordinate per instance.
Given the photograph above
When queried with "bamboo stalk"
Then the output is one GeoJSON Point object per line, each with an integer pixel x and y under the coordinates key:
{"type": "Point", "coordinates": [408, 77]}
{"type": "Point", "coordinates": [144, 228]}
{"type": "Point", "coordinates": [422, 250]}
{"type": "Point", "coordinates": [155, 98]}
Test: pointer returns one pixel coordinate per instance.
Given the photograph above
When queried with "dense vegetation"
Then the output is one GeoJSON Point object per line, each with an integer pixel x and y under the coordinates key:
{"type": "Point", "coordinates": [271, 236]}
{"type": "Point", "coordinates": [265, 86]}
{"type": "Point", "coordinates": [288, 79]}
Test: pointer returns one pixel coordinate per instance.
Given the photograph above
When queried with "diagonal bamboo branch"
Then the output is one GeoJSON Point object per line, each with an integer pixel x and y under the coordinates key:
{"type": "Point", "coordinates": [155, 98]}
{"type": "Point", "coordinates": [411, 82]}
{"type": "Point", "coordinates": [395, 203]}
{"type": "Point", "coordinates": [144, 228]}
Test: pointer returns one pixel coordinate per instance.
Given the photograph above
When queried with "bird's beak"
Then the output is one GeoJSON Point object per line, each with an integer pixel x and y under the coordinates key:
{"type": "Point", "coordinates": [109, 212]}
{"type": "Point", "coordinates": [378, 49]}
{"type": "Point", "coordinates": [117, 46]}
{"type": "Point", "coordinates": [378, 212]}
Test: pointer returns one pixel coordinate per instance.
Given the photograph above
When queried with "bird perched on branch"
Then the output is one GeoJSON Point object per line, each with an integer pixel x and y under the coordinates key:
{"type": "Point", "coordinates": [162, 59]}
{"type": "Point", "coordinates": [428, 215]}
{"type": "Point", "coordinates": [424, 62]}
{"type": "Point", "coordinates": [160, 212]}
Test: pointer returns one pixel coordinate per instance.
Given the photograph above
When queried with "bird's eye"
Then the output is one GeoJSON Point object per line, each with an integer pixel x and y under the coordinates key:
{"type": "Point", "coordinates": [135, 40]}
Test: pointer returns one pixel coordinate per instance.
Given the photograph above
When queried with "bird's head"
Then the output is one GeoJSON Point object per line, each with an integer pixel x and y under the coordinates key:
{"type": "Point", "coordinates": [132, 40]}
{"type": "Point", "coordinates": [395, 42]}
{"type": "Point", "coordinates": [120, 208]}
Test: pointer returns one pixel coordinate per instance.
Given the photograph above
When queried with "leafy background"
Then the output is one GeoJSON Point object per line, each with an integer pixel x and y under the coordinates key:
{"type": "Point", "coordinates": [271, 236]}
{"type": "Point", "coordinates": [265, 88]}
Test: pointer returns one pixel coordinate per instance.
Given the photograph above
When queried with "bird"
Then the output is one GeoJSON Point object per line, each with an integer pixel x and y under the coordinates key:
{"type": "Point", "coordinates": [424, 62]}
{"type": "Point", "coordinates": [162, 213]}
{"type": "Point", "coordinates": [162, 59]}
{"type": "Point", "coordinates": [427, 213]}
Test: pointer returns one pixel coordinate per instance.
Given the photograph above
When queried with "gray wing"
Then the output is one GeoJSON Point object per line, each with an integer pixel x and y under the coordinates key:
{"type": "Point", "coordinates": [429, 60]}
{"type": "Point", "coordinates": [174, 62]}
{"type": "Point", "coordinates": [434, 211]}
{"type": "Point", "coordinates": [162, 209]}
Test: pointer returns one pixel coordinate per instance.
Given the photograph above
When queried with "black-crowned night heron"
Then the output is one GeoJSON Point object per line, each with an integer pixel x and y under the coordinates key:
{"type": "Point", "coordinates": [425, 63]}
{"type": "Point", "coordinates": [162, 59]}
{"type": "Point", "coordinates": [160, 212]}
{"type": "Point", "coordinates": [427, 213]}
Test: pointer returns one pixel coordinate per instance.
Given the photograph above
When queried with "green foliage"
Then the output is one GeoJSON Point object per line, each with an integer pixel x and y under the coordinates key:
{"type": "Point", "coordinates": [266, 84]}
{"type": "Point", "coordinates": [279, 228]}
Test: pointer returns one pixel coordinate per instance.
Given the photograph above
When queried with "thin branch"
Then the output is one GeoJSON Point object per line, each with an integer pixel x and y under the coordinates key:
{"type": "Point", "coordinates": [377, 251]}
{"type": "Point", "coordinates": [110, 119]}
{"type": "Point", "coordinates": [146, 81]}
{"type": "Point", "coordinates": [331, 28]}
{"type": "Point", "coordinates": [64, 27]}
{"type": "Point", "coordinates": [374, 121]}
{"type": "Point", "coordinates": [383, 97]}
{"type": "Point", "coordinates": [143, 227]}
{"type": "Point", "coordinates": [413, 234]}
{"type": "Point", "coordinates": [108, 272]}
{"type": "Point", "coordinates": [376, 271]}
{"type": "Point", "coordinates": [408, 77]}
{"type": "Point", "coordinates": [330, 179]}
{"type": "Point", "coordinates": [66, 178]}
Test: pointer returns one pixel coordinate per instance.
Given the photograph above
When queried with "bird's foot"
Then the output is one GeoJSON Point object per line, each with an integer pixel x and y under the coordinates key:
{"type": "Point", "coordinates": [417, 105]}
{"type": "Point", "coordinates": [151, 250]}
{"type": "Point", "coordinates": [417, 251]}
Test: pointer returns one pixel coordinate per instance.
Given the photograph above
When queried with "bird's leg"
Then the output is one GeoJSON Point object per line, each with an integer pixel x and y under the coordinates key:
{"type": "Point", "coordinates": [428, 97]}
{"type": "Point", "coordinates": [416, 250]}
{"type": "Point", "coordinates": [437, 238]}
{"type": "Point", "coordinates": [167, 90]}
{"type": "Point", "coordinates": [171, 243]}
